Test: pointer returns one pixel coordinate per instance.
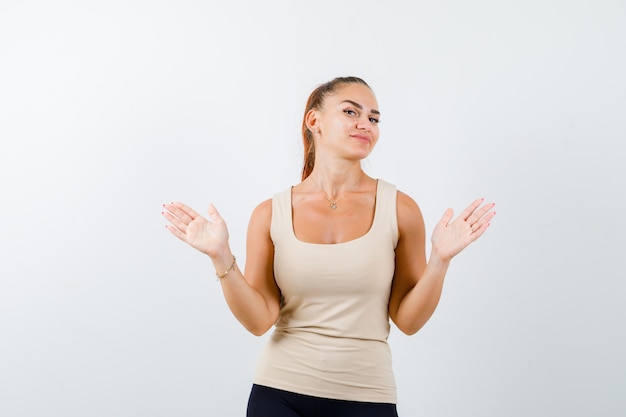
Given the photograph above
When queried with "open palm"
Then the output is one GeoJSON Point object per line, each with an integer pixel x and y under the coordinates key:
{"type": "Point", "coordinates": [452, 236]}
{"type": "Point", "coordinates": [207, 236]}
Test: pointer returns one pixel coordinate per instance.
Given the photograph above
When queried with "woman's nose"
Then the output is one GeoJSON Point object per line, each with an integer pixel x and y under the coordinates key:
{"type": "Point", "coordinates": [364, 123]}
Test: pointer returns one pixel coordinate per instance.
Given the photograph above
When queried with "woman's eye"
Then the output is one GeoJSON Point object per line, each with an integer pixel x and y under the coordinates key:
{"type": "Point", "coordinates": [374, 120]}
{"type": "Point", "coordinates": [349, 112]}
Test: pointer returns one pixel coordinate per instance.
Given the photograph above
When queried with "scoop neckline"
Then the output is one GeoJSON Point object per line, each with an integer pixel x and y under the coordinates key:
{"type": "Point", "coordinates": [363, 236]}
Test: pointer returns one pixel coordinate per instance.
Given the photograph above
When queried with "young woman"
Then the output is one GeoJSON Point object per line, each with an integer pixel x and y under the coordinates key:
{"type": "Point", "coordinates": [329, 262]}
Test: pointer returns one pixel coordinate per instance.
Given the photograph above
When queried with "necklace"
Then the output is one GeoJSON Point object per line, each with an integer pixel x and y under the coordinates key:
{"type": "Point", "coordinates": [333, 203]}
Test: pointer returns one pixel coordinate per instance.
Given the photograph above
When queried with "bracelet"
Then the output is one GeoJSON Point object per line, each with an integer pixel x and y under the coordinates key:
{"type": "Point", "coordinates": [230, 268]}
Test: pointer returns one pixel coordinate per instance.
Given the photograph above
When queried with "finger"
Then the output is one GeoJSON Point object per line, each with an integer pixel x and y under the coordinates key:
{"type": "Point", "coordinates": [447, 217]}
{"type": "Point", "coordinates": [471, 208]}
{"type": "Point", "coordinates": [175, 222]}
{"type": "Point", "coordinates": [484, 221]}
{"type": "Point", "coordinates": [479, 232]}
{"type": "Point", "coordinates": [215, 215]}
{"type": "Point", "coordinates": [176, 232]}
{"type": "Point", "coordinates": [177, 212]}
{"type": "Point", "coordinates": [188, 210]}
{"type": "Point", "coordinates": [480, 214]}
{"type": "Point", "coordinates": [185, 213]}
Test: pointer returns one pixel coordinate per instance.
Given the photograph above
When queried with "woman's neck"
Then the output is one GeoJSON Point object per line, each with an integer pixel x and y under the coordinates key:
{"type": "Point", "coordinates": [336, 182]}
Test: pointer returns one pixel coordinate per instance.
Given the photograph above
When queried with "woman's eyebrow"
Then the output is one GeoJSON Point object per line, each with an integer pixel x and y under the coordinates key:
{"type": "Point", "coordinates": [358, 106]}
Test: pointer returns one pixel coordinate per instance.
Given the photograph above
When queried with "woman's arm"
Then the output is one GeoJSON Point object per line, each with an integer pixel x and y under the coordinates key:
{"type": "Point", "coordinates": [417, 284]}
{"type": "Point", "coordinates": [253, 299]}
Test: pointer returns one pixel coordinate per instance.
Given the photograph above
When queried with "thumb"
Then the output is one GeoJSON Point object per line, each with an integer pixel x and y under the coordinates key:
{"type": "Point", "coordinates": [215, 215]}
{"type": "Point", "coordinates": [447, 217]}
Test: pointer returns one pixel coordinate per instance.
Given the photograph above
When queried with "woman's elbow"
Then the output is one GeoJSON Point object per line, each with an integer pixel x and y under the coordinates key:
{"type": "Point", "coordinates": [408, 327]}
{"type": "Point", "coordinates": [258, 328]}
{"type": "Point", "coordinates": [258, 331]}
{"type": "Point", "coordinates": [409, 330]}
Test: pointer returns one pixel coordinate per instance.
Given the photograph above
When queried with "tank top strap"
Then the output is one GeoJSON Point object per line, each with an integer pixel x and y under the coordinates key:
{"type": "Point", "coordinates": [281, 224]}
{"type": "Point", "coordinates": [386, 210]}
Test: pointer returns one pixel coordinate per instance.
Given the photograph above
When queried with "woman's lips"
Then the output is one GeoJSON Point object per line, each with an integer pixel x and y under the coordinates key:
{"type": "Point", "coordinates": [361, 137]}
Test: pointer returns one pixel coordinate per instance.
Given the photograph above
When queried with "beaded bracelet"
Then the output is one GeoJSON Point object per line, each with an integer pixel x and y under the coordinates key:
{"type": "Point", "coordinates": [230, 268]}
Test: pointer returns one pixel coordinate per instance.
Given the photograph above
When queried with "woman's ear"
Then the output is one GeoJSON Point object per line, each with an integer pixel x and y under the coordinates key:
{"type": "Point", "coordinates": [311, 120]}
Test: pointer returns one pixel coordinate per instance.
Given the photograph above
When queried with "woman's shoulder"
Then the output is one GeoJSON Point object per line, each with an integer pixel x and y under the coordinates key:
{"type": "Point", "coordinates": [409, 212]}
{"type": "Point", "coordinates": [263, 208]}
{"type": "Point", "coordinates": [406, 200]}
{"type": "Point", "coordinates": [262, 214]}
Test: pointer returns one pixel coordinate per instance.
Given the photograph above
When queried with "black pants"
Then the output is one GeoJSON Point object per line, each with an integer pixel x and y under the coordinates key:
{"type": "Point", "coordinates": [272, 402]}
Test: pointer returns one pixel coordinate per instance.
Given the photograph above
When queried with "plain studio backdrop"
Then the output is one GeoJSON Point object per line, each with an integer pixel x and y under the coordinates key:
{"type": "Point", "coordinates": [109, 109]}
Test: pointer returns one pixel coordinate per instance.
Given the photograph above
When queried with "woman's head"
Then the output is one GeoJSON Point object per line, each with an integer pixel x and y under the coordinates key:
{"type": "Point", "coordinates": [316, 102]}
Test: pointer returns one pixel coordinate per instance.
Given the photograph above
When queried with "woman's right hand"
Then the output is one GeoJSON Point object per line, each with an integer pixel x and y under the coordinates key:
{"type": "Point", "coordinates": [207, 236]}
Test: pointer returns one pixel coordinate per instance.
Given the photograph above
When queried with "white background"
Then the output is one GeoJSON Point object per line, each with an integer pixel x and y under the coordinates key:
{"type": "Point", "coordinates": [109, 109]}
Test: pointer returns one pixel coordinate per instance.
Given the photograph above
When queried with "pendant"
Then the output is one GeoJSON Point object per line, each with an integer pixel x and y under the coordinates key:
{"type": "Point", "coordinates": [333, 203]}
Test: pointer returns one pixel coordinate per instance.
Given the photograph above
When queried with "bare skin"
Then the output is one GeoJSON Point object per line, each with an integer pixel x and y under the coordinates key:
{"type": "Point", "coordinates": [345, 131]}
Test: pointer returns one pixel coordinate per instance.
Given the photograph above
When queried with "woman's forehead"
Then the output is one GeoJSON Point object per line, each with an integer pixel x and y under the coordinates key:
{"type": "Point", "coordinates": [354, 92]}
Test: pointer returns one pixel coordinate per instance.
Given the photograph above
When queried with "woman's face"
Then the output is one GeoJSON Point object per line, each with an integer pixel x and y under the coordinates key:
{"type": "Point", "coordinates": [347, 123]}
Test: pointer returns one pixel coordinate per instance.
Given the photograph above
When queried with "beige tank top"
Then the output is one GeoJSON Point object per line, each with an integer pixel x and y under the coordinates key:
{"type": "Point", "coordinates": [330, 339]}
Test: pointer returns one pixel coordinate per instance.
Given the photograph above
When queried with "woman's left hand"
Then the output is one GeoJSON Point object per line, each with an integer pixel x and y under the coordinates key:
{"type": "Point", "coordinates": [452, 236]}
